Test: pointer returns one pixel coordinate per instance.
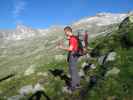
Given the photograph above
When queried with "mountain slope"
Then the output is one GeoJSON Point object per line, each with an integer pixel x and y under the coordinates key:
{"type": "Point", "coordinates": [24, 46]}
{"type": "Point", "coordinates": [110, 78]}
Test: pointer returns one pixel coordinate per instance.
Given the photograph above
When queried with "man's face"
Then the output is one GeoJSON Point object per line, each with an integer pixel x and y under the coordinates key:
{"type": "Point", "coordinates": [66, 32]}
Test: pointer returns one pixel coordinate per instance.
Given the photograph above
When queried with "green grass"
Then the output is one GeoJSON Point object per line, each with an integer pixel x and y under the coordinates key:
{"type": "Point", "coordinates": [112, 87]}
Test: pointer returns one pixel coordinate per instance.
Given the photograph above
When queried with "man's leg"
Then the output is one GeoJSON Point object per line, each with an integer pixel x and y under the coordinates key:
{"type": "Point", "coordinates": [74, 71]}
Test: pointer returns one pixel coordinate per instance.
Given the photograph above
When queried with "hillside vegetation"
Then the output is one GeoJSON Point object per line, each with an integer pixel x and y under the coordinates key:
{"type": "Point", "coordinates": [110, 77]}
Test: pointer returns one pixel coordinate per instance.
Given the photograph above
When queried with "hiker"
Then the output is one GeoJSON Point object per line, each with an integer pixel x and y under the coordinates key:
{"type": "Point", "coordinates": [72, 57]}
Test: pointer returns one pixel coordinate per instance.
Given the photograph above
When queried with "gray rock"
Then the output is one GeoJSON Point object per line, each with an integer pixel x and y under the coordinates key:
{"type": "Point", "coordinates": [38, 87]}
{"type": "Point", "coordinates": [81, 73]}
{"type": "Point", "coordinates": [93, 66]}
{"type": "Point", "coordinates": [66, 90]}
{"type": "Point", "coordinates": [85, 58]}
{"type": "Point", "coordinates": [30, 89]}
{"type": "Point", "coordinates": [83, 65]}
{"type": "Point", "coordinates": [100, 59]}
{"type": "Point", "coordinates": [26, 90]}
{"type": "Point", "coordinates": [113, 71]}
{"type": "Point", "coordinates": [17, 97]}
{"type": "Point", "coordinates": [87, 79]}
{"type": "Point", "coordinates": [111, 56]}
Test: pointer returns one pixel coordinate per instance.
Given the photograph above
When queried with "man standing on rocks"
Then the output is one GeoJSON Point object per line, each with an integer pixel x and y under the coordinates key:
{"type": "Point", "coordinates": [72, 57]}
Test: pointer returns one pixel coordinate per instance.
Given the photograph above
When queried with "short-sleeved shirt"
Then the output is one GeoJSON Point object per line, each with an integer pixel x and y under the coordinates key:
{"type": "Point", "coordinates": [74, 43]}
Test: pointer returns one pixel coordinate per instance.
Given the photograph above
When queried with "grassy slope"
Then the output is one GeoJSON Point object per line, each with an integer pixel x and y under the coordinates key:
{"type": "Point", "coordinates": [116, 86]}
{"type": "Point", "coordinates": [110, 87]}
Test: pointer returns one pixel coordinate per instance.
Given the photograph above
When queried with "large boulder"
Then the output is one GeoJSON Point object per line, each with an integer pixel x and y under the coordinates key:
{"type": "Point", "coordinates": [113, 71]}
{"type": "Point", "coordinates": [26, 90]}
{"type": "Point", "coordinates": [111, 56]}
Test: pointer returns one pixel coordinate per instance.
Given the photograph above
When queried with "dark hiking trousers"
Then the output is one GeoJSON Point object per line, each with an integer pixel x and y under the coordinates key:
{"type": "Point", "coordinates": [73, 70]}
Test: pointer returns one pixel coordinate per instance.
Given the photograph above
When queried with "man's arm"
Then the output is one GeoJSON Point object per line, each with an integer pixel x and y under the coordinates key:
{"type": "Point", "coordinates": [67, 49]}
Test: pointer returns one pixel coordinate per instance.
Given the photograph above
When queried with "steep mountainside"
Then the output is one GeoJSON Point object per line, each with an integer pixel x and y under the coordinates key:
{"type": "Point", "coordinates": [24, 46]}
{"type": "Point", "coordinates": [106, 70]}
